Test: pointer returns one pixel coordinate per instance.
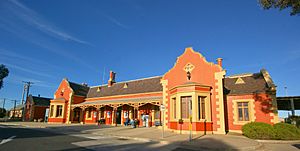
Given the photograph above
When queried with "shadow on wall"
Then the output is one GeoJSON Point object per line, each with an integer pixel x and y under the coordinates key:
{"type": "Point", "coordinates": [264, 103]}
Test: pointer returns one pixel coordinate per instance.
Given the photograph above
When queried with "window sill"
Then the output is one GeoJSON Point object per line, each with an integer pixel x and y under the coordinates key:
{"type": "Point", "coordinates": [241, 122]}
{"type": "Point", "coordinates": [57, 117]}
{"type": "Point", "coordinates": [203, 120]}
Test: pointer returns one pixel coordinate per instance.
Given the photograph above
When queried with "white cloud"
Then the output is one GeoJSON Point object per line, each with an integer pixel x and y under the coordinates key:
{"type": "Point", "coordinates": [32, 18]}
{"type": "Point", "coordinates": [18, 80]}
{"type": "Point", "coordinates": [27, 70]}
{"type": "Point", "coordinates": [115, 21]}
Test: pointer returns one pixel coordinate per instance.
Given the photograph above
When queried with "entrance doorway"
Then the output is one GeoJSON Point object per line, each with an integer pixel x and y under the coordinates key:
{"type": "Point", "coordinates": [149, 115]}
{"type": "Point", "coordinates": [76, 115]}
{"type": "Point", "coordinates": [118, 115]}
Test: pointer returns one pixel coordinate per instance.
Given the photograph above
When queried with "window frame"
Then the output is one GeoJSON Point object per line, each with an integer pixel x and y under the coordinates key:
{"type": "Point", "coordinates": [251, 111]}
{"type": "Point", "coordinates": [187, 110]}
{"type": "Point", "coordinates": [242, 106]}
{"type": "Point", "coordinates": [58, 113]}
{"type": "Point", "coordinates": [201, 105]}
{"type": "Point", "coordinates": [174, 101]}
{"type": "Point", "coordinates": [51, 111]}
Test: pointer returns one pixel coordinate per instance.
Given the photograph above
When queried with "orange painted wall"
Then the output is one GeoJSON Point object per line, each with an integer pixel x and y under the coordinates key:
{"type": "Point", "coordinates": [64, 86]}
{"type": "Point", "coordinates": [57, 120]}
{"type": "Point", "coordinates": [28, 113]}
{"type": "Point", "coordinates": [262, 112]}
{"type": "Point", "coordinates": [94, 119]}
{"type": "Point", "coordinates": [203, 73]}
{"type": "Point", "coordinates": [196, 126]}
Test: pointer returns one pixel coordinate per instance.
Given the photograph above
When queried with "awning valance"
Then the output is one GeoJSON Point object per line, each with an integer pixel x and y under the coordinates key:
{"type": "Point", "coordinates": [121, 101]}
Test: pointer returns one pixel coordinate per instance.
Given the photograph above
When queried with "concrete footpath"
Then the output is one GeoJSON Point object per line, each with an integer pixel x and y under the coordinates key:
{"type": "Point", "coordinates": [199, 142]}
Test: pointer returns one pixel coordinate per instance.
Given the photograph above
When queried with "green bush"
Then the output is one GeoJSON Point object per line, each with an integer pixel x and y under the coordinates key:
{"type": "Point", "coordinates": [286, 131]}
{"type": "Point", "coordinates": [259, 130]}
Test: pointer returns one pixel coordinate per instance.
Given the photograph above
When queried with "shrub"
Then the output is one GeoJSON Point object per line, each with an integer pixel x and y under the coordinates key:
{"type": "Point", "coordinates": [286, 131]}
{"type": "Point", "coordinates": [259, 130]}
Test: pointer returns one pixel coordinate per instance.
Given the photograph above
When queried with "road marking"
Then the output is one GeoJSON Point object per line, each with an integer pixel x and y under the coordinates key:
{"type": "Point", "coordinates": [90, 136]}
{"type": "Point", "coordinates": [7, 140]}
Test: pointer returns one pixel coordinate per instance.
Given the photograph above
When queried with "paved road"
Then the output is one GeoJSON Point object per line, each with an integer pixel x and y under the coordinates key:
{"type": "Point", "coordinates": [14, 138]}
{"type": "Point", "coordinates": [30, 139]}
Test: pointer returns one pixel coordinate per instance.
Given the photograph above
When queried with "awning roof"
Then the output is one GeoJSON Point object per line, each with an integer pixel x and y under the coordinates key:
{"type": "Point", "coordinates": [119, 101]}
{"type": "Point", "coordinates": [284, 103]}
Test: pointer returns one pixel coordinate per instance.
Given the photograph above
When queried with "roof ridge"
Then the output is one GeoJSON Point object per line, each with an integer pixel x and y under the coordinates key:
{"type": "Point", "coordinates": [128, 81]}
{"type": "Point", "coordinates": [41, 97]}
{"type": "Point", "coordinates": [78, 84]}
{"type": "Point", "coordinates": [241, 75]}
{"type": "Point", "coordinates": [268, 78]}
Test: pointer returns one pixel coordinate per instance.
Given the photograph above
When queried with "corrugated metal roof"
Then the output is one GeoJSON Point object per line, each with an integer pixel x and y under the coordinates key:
{"type": "Point", "coordinates": [132, 87]}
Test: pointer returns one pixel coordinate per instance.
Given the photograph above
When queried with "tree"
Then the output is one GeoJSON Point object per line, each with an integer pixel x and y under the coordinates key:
{"type": "Point", "coordinates": [282, 4]}
{"type": "Point", "coordinates": [2, 112]}
{"type": "Point", "coordinates": [3, 73]}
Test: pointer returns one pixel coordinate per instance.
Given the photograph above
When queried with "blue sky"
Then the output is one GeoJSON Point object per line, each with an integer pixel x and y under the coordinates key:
{"type": "Point", "coordinates": [46, 41]}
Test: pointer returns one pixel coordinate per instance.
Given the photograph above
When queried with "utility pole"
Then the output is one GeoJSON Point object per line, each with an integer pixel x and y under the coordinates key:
{"type": "Point", "coordinates": [14, 108]}
{"type": "Point", "coordinates": [285, 90]}
{"type": "Point", "coordinates": [3, 110]}
{"type": "Point", "coordinates": [27, 85]}
{"type": "Point", "coordinates": [3, 103]}
{"type": "Point", "coordinates": [24, 89]}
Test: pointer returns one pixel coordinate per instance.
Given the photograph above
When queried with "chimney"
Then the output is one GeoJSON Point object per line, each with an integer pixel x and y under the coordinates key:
{"type": "Point", "coordinates": [111, 78]}
{"type": "Point", "coordinates": [84, 84]}
{"type": "Point", "coordinates": [219, 61]}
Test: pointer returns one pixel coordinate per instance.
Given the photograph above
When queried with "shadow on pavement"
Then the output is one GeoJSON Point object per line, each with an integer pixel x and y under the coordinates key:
{"type": "Point", "coordinates": [60, 138]}
{"type": "Point", "coordinates": [296, 145]}
{"type": "Point", "coordinates": [153, 145]}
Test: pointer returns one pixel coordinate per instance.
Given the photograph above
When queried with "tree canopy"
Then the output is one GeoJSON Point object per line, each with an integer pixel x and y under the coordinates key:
{"type": "Point", "coordinates": [3, 73]}
{"type": "Point", "coordinates": [2, 112]}
{"type": "Point", "coordinates": [282, 4]}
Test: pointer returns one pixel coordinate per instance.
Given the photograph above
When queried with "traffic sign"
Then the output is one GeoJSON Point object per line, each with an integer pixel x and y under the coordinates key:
{"type": "Point", "coordinates": [162, 107]}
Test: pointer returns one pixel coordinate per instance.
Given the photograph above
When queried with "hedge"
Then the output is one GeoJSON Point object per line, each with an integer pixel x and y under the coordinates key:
{"type": "Point", "coordinates": [259, 130]}
{"type": "Point", "coordinates": [286, 131]}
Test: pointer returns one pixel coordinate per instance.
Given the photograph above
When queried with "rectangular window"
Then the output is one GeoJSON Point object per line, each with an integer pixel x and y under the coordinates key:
{"type": "Point", "coordinates": [59, 110]}
{"type": "Point", "coordinates": [185, 102]}
{"type": "Point", "coordinates": [201, 107]}
{"type": "Point", "coordinates": [174, 107]}
{"type": "Point", "coordinates": [51, 110]}
{"type": "Point", "coordinates": [243, 111]}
